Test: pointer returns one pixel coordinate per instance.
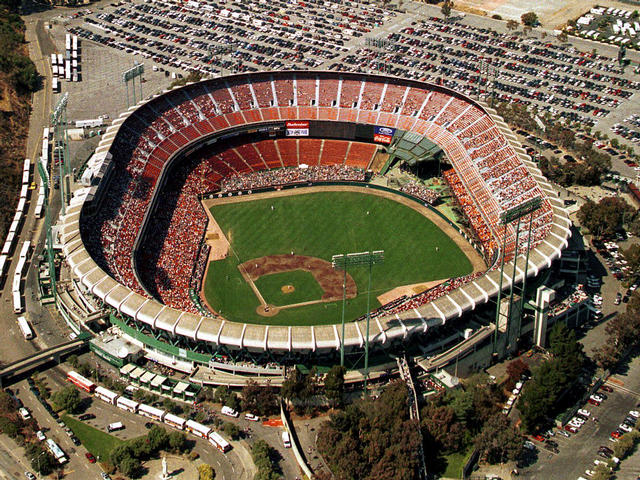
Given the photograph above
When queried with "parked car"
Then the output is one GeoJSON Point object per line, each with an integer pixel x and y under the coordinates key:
{"type": "Point", "coordinates": [40, 436]}
{"type": "Point", "coordinates": [251, 417]}
{"type": "Point", "coordinates": [584, 413]}
{"type": "Point", "coordinates": [570, 428]}
{"type": "Point", "coordinates": [625, 428]}
{"type": "Point", "coordinates": [594, 402]}
{"type": "Point", "coordinates": [86, 416]}
{"type": "Point", "coordinates": [90, 457]}
{"type": "Point", "coordinates": [616, 434]}
{"type": "Point", "coordinates": [539, 438]}
{"type": "Point", "coordinates": [606, 388]}
{"type": "Point", "coordinates": [30, 475]}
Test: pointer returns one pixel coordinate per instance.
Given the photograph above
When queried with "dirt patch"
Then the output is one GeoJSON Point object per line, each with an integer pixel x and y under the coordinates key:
{"type": "Point", "coordinates": [408, 290]}
{"type": "Point", "coordinates": [215, 238]}
{"type": "Point", "coordinates": [267, 310]}
{"type": "Point", "coordinates": [330, 280]}
{"type": "Point", "coordinates": [287, 289]}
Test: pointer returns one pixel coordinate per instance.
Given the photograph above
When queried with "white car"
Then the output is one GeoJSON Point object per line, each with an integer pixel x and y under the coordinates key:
{"type": "Point", "coordinates": [634, 413]}
{"type": "Point", "coordinates": [596, 398]}
{"type": "Point", "coordinates": [251, 417]}
{"type": "Point", "coordinates": [625, 428]}
{"type": "Point", "coordinates": [40, 436]}
{"type": "Point", "coordinates": [577, 420]}
{"type": "Point", "coordinates": [584, 413]}
{"type": "Point", "coordinates": [597, 462]}
{"type": "Point", "coordinates": [589, 473]}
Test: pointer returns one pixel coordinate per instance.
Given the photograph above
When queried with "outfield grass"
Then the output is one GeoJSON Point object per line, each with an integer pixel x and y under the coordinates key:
{"type": "Point", "coordinates": [321, 225]}
{"type": "Point", "coordinates": [306, 287]}
{"type": "Point", "coordinates": [95, 441]}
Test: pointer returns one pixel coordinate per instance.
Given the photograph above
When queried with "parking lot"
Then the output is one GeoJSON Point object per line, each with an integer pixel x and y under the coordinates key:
{"type": "Point", "coordinates": [577, 453]}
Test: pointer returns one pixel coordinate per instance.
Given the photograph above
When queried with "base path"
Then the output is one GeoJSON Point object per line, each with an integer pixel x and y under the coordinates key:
{"type": "Point", "coordinates": [329, 279]}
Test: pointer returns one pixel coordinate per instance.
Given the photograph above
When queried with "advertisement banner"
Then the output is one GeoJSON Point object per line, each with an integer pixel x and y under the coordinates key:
{"type": "Point", "coordinates": [297, 129]}
{"type": "Point", "coordinates": [383, 134]}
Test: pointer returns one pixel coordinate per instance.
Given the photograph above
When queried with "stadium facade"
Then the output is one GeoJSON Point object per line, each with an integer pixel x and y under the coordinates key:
{"type": "Point", "coordinates": [491, 174]}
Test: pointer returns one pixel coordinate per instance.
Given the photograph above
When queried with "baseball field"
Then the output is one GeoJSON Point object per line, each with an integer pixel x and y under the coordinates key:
{"type": "Point", "coordinates": [281, 248]}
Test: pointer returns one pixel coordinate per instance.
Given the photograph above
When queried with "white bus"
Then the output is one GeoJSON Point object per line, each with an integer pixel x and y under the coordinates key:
{"type": "Point", "coordinates": [174, 421]}
{"type": "Point", "coordinates": [106, 395]}
{"type": "Point", "coordinates": [197, 429]}
{"type": "Point", "coordinates": [25, 328]}
{"type": "Point", "coordinates": [56, 451]}
{"type": "Point", "coordinates": [151, 412]}
{"type": "Point", "coordinates": [220, 443]}
{"type": "Point", "coordinates": [126, 404]}
{"type": "Point", "coordinates": [17, 302]}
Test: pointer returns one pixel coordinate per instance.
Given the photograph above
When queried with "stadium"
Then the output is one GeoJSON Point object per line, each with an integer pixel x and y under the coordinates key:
{"type": "Point", "coordinates": [181, 232]}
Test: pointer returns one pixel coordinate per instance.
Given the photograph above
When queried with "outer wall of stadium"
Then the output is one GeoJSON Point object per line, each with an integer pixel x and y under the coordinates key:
{"type": "Point", "coordinates": [147, 138]}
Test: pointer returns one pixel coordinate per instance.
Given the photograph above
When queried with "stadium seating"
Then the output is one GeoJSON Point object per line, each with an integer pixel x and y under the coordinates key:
{"type": "Point", "coordinates": [487, 177]}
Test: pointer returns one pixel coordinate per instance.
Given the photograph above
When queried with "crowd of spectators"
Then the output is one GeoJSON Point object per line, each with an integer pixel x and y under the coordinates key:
{"type": "Point", "coordinates": [420, 191]}
{"type": "Point", "coordinates": [290, 176]}
{"type": "Point", "coordinates": [490, 180]}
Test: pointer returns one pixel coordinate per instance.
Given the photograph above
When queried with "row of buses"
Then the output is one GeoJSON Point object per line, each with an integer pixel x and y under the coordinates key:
{"type": "Point", "coordinates": [14, 231]}
{"type": "Point", "coordinates": [148, 411]}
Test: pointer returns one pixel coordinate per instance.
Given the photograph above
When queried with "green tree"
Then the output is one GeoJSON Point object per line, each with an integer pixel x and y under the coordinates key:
{"type": "Point", "coordinates": [538, 399]}
{"type": "Point", "coordinates": [516, 369]}
{"type": "Point", "coordinates": [140, 448]}
{"type": "Point", "coordinates": [119, 454]}
{"type": "Point", "coordinates": [440, 428]}
{"type": "Point", "coordinates": [564, 345]}
{"type": "Point", "coordinates": [260, 400]}
{"type": "Point", "coordinates": [447, 7]}
{"type": "Point", "coordinates": [231, 430]}
{"type": "Point", "coordinates": [158, 438]}
{"type": "Point", "coordinates": [130, 467]}
{"type": "Point", "coordinates": [68, 398]}
{"type": "Point", "coordinates": [499, 441]}
{"type": "Point", "coordinates": [529, 19]}
{"type": "Point", "coordinates": [206, 472]}
{"type": "Point", "coordinates": [8, 427]}
{"type": "Point", "coordinates": [334, 385]}
{"type": "Point", "coordinates": [606, 217]}
{"type": "Point", "coordinates": [632, 256]}
{"type": "Point", "coordinates": [177, 441]}
{"type": "Point", "coordinates": [7, 404]}
{"type": "Point", "coordinates": [512, 25]}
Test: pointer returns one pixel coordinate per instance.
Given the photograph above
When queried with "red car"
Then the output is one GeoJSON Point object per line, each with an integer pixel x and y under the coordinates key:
{"type": "Point", "coordinates": [606, 388]}
{"type": "Point", "coordinates": [594, 402]}
{"type": "Point", "coordinates": [90, 457]}
{"type": "Point", "coordinates": [539, 438]}
{"type": "Point", "coordinates": [571, 429]}
{"type": "Point", "coordinates": [616, 434]}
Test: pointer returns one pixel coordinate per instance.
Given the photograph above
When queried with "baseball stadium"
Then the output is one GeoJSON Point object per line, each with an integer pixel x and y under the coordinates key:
{"type": "Point", "coordinates": [251, 216]}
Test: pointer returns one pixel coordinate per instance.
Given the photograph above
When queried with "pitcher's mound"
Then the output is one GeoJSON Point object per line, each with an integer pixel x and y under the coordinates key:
{"type": "Point", "coordinates": [287, 288]}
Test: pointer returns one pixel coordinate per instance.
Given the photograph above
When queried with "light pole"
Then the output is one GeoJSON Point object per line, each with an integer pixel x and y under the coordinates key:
{"type": "Point", "coordinates": [343, 261]}
{"type": "Point", "coordinates": [41, 453]}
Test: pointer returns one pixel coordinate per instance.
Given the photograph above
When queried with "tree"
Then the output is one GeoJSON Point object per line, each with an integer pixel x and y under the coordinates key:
{"type": "Point", "coordinates": [130, 467]}
{"type": "Point", "coordinates": [7, 403]}
{"type": "Point", "coordinates": [158, 438]}
{"type": "Point", "coordinates": [564, 345]}
{"type": "Point", "coordinates": [140, 448]}
{"type": "Point", "coordinates": [262, 455]}
{"type": "Point", "coordinates": [177, 441]}
{"type": "Point", "coordinates": [261, 400]}
{"type": "Point", "coordinates": [516, 369]}
{"type": "Point", "coordinates": [441, 429]}
{"type": "Point", "coordinates": [632, 256]}
{"type": "Point", "coordinates": [499, 440]}
{"type": "Point", "coordinates": [606, 217]}
{"type": "Point", "coordinates": [67, 399]}
{"type": "Point", "coordinates": [530, 19]}
{"type": "Point", "coordinates": [334, 385]}
{"type": "Point", "coordinates": [512, 25]}
{"type": "Point", "coordinates": [352, 440]}
{"type": "Point", "coordinates": [447, 7]}
{"type": "Point", "coordinates": [298, 386]}
{"type": "Point", "coordinates": [538, 399]}
{"type": "Point", "coordinates": [206, 472]}
{"type": "Point", "coordinates": [563, 37]}
{"type": "Point", "coordinates": [231, 430]}
{"type": "Point", "coordinates": [8, 427]}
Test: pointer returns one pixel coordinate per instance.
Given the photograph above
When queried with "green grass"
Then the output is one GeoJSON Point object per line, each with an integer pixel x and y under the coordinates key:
{"type": "Point", "coordinates": [455, 462]}
{"type": "Point", "coordinates": [306, 287]}
{"type": "Point", "coordinates": [323, 224]}
{"type": "Point", "coordinates": [95, 441]}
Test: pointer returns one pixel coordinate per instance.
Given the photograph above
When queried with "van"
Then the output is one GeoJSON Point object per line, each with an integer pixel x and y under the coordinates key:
{"type": "Point", "coordinates": [112, 427]}
{"type": "Point", "coordinates": [229, 412]}
{"type": "Point", "coordinates": [286, 440]}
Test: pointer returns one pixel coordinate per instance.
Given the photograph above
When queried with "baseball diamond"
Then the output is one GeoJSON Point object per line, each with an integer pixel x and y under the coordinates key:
{"type": "Point", "coordinates": [143, 242]}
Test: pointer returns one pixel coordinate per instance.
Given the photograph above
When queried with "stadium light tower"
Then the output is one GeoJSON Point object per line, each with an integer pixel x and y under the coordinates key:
{"type": "Point", "coordinates": [130, 75]}
{"type": "Point", "coordinates": [342, 262]}
{"type": "Point", "coordinates": [506, 218]}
